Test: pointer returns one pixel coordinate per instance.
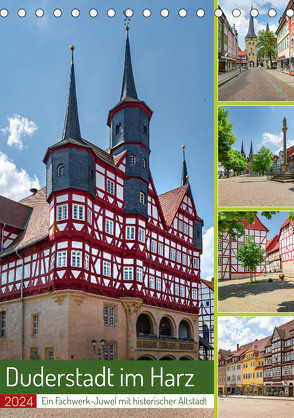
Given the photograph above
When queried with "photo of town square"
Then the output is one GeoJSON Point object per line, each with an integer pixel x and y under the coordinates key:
{"type": "Point", "coordinates": [255, 366]}
{"type": "Point", "coordinates": [256, 261]}
{"type": "Point", "coordinates": [256, 51]}
{"type": "Point", "coordinates": [255, 156]}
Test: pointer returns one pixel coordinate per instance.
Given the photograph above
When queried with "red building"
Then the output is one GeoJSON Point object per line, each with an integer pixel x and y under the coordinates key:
{"type": "Point", "coordinates": [287, 246]}
{"type": "Point", "coordinates": [97, 253]}
{"type": "Point", "coordinates": [242, 58]}
{"type": "Point", "coordinates": [228, 265]}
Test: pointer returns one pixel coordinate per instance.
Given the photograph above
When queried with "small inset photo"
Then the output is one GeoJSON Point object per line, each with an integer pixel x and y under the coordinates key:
{"type": "Point", "coordinates": [255, 51]}
{"type": "Point", "coordinates": [256, 261]}
{"type": "Point", "coordinates": [255, 366]}
{"type": "Point", "coordinates": [255, 156]}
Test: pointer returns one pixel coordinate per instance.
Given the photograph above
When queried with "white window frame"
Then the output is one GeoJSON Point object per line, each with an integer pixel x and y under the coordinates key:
{"type": "Point", "coordinates": [35, 325]}
{"type": "Point", "coordinates": [182, 291]}
{"type": "Point", "coordinates": [179, 256]}
{"type": "Point", "coordinates": [194, 294]}
{"type": "Point", "coordinates": [61, 259]}
{"type": "Point", "coordinates": [173, 254]}
{"type": "Point", "coordinates": [128, 273]}
{"type": "Point", "coordinates": [151, 282]}
{"type": "Point", "coordinates": [78, 212]}
{"type": "Point", "coordinates": [130, 232]}
{"type": "Point", "coordinates": [110, 187]}
{"type": "Point", "coordinates": [177, 289]}
{"type": "Point", "coordinates": [87, 261]}
{"type": "Point", "coordinates": [89, 216]}
{"type": "Point", "coordinates": [109, 226]}
{"type": "Point", "coordinates": [61, 212]}
{"type": "Point", "coordinates": [184, 259]}
{"type": "Point", "coordinates": [139, 274]}
{"type": "Point", "coordinates": [196, 263]}
{"type": "Point", "coordinates": [158, 283]}
{"type": "Point", "coordinates": [76, 258]}
{"type": "Point", "coordinates": [160, 249]}
{"type": "Point", "coordinates": [153, 246]}
{"type": "Point", "coordinates": [141, 235]}
{"type": "Point", "coordinates": [142, 198]}
{"type": "Point", "coordinates": [106, 268]}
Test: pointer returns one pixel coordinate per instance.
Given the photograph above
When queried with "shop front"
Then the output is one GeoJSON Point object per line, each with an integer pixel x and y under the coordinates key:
{"type": "Point", "coordinates": [284, 65]}
{"type": "Point", "coordinates": [253, 389]}
{"type": "Point", "coordinates": [275, 389]}
{"type": "Point", "coordinates": [292, 65]}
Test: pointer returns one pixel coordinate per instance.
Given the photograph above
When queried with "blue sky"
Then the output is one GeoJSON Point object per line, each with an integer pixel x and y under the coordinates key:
{"type": "Point", "coordinates": [261, 124]}
{"type": "Point", "coordinates": [260, 22]}
{"type": "Point", "coordinates": [274, 224]}
{"type": "Point", "coordinates": [171, 76]}
{"type": "Point", "coordinates": [234, 330]}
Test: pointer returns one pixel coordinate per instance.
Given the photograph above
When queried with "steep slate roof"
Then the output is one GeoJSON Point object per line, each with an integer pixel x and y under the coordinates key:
{"type": "Point", "coordinates": [13, 213]}
{"type": "Point", "coordinates": [224, 353]}
{"type": "Point", "coordinates": [257, 226]}
{"type": "Point", "coordinates": [128, 85]}
{"type": "Point", "coordinates": [208, 284]}
{"type": "Point", "coordinates": [170, 202]}
{"type": "Point", "coordinates": [251, 32]}
{"type": "Point", "coordinates": [259, 345]}
{"type": "Point", "coordinates": [284, 330]}
{"type": "Point", "coordinates": [38, 224]}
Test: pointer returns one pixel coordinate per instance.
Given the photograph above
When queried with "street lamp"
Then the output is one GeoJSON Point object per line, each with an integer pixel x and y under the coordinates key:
{"type": "Point", "coordinates": [98, 350]}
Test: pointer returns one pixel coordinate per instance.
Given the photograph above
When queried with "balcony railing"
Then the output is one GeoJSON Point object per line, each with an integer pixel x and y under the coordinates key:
{"type": "Point", "coordinates": [147, 342]}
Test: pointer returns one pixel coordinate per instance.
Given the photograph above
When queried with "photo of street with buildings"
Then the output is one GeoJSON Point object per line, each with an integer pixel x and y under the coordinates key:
{"type": "Point", "coordinates": [256, 52]}
{"type": "Point", "coordinates": [256, 156]}
{"type": "Point", "coordinates": [256, 262]}
{"type": "Point", "coordinates": [255, 366]}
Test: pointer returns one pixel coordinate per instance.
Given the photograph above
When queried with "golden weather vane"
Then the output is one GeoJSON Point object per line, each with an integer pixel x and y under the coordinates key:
{"type": "Point", "coordinates": [127, 20]}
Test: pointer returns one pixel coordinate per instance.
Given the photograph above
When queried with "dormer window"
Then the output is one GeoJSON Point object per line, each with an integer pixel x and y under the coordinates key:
{"type": "Point", "coordinates": [145, 128]}
{"type": "Point", "coordinates": [144, 163]}
{"type": "Point", "coordinates": [117, 128]}
{"type": "Point", "coordinates": [60, 170]}
{"type": "Point", "coordinates": [132, 160]}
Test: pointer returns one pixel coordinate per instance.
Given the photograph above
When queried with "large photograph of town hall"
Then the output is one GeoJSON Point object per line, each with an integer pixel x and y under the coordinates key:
{"type": "Point", "coordinates": [95, 263]}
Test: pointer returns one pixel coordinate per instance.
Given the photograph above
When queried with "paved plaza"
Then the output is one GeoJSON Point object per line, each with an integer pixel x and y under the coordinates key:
{"type": "Point", "coordinates": [238, 295]}
{"type": "Point", "coordinates": [258, 84]}
{"type": "Point", "coordinates": [254, 191]}
{"type": "Point", "coordinates": [258, 407]}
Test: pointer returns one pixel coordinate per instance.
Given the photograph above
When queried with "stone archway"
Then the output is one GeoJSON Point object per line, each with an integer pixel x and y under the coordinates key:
{"type": "Point", "coordinates": [164, 358]}
{"type": "Point", "coordinates": [185, 330]}
{"type": "Point", "coordinates": [144, 325]}
{"type": "Point", "coordinates": [165, 327]}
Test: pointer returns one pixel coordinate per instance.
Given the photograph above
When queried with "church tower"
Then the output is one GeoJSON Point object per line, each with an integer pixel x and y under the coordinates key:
{"type": "Point", "coordinates": [242, 151]}
{"type": "Point", "coordinates": [251, 155]}
{"type": "Point", "coordinates": [251, 48]}
{"type": "Point", "coordinates": [129, 130]}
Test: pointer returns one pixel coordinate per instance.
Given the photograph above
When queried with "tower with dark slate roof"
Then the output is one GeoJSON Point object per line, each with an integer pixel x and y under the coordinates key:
{"type": "Point", "coordinates": [69, 162]}
{"type": "Point", "coordinates": [251, 48]}
{"type": "Point", "coordinates": [242, 150]}
{"type": "Point", "coordinates": [129, 130]}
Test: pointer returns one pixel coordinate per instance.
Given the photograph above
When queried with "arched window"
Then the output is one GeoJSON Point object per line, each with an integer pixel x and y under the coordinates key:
{"type": "Point", "coordinates": [144, 163]}
{"type": "Point", "coordinates": [184, 330]}
{"type": "Point", "coordinates": [145, 128]}
{"type": "Point", "coordinates": [142, 198]}
{"type": "Point", "coordinates": [60, 170]}
{"type": "Point", "coordinates": [165, 327]}
{"type": "Point", "coordinates": [132, 159]}
{"type": "Point", "coordinates": [117, 128]}
{"type": "Point", "coordinates": [144, 325]}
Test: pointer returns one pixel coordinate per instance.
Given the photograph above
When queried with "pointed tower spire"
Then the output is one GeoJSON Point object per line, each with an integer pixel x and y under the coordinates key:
{"type": "Point", "coordinates": [71, 124]}
{"type": "Point", "coordinates": [185, 176]}
{"type": "Point", "coordinates": [251, 32]}
{"type": "Point", "coordinates": [242, 149]}
{"type": "Point", "coordinates": [128, 85]}
{"type": "Point", "coordinates": [251, 149]}
{"type": "Point", "coordinates": [267, 27]}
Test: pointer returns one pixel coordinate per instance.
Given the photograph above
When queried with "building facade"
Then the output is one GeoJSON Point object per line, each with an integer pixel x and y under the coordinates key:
{"type": "Point", "coordinates": [206, 318]}
{"type": "Point", "coordinates": [252, 367]}
{"type": "Point", "coordinates": [222, 356]}
{"type": "Point", "coordinates": [229, 267]}
{"type": "Point", "coordinates": [227, 44]}
{"type": "Point", "coordinates": [251, 47]}
{"type": "Point", "coordinates": [283, 51]}
{"type": "Point", "coordinates": [97, 254]}
{"type": "Point", "coordinates": [279, 362]}
{"type": "Point", "coordinates": [242, 58]}
{"type": "Point", "coordinates": [273, 255]}
{"type": "Point", "coordinates": [286, 244]}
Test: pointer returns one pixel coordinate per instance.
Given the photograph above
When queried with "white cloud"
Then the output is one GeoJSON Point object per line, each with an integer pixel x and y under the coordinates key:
{"type": "Point", "coordinates": [207, 258]}
{"type": "Point", "coordinates": [273, 139]}
{"type": "Point", "coordinates": [268, 323]}
{"type": "Point", "coordinates": [18, 128]}
{"type": "Point", "coordinates": [15, 184]}
{"type": "Point", "coordinates": [257, 4]}
{"type": "Point", "coordinates": [235, 330]}
{"type": "Point", "coordinates": [290, 143]}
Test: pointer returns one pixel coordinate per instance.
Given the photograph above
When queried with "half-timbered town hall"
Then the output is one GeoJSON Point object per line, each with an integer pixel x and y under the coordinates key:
{"type": "Point", "coordinates": [96, 259]}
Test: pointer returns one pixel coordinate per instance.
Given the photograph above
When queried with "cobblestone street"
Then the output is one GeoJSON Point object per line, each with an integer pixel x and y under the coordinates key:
{"type": "Point", "coordinates": [234, 407]}
{"type": "Point", "coordinates": [254, 191]}
{"type": "Point", "coordinates": [239, 296]}
{"type": "Point", "coordinates": [258, 84]}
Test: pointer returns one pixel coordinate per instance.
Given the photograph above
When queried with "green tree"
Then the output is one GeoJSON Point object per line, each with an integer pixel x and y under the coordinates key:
{"type": "Point", "coordinates": [262, 161]}
{"type": "Point", "coordinates": [231, 222]}
{"type": "Point", "coordinates": [226, 138]}
{"type": "Point", "coordinates": [250, 255]}
{"type": "Point", "coordinates": [238, 162]}
{"type": "Point", "coordinates": [266, 45]}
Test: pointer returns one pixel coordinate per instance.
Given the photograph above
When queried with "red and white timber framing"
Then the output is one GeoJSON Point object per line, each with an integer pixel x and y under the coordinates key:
{"type": "Point", "coordinates": [88, 255]}
{"type": "Point", "coordinates": [286, 241]}
{"type": "Point", "coordinates": [229, 266]}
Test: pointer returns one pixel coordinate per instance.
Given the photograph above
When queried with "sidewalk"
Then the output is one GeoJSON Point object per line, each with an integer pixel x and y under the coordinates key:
{"type": "Point", "coordinates": [225, 77]}
{"type": "Point", "coordinates": [278, 398]}
{"type": "Point", "coordinates": [286, 78]}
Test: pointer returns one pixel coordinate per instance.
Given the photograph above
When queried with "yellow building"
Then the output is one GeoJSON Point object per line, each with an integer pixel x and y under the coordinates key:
{"type": "Point", "coordinates": [252, 367]}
